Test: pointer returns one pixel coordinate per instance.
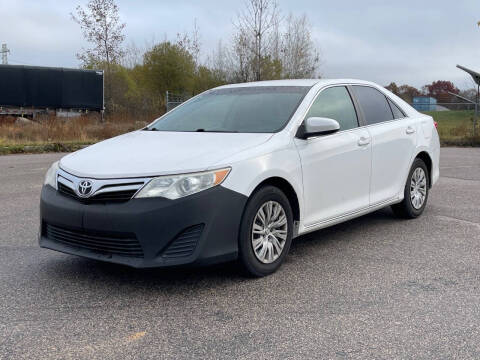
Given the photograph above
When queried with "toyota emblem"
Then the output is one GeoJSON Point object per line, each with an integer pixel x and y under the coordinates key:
{"type": "Point", "coordinates": [85, 188]}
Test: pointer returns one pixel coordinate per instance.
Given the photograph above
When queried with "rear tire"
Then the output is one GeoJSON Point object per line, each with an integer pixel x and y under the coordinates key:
{"type": "Point", "coordinates": [265, 232]}
{"type": "Point", "coordinates": [415, 192]}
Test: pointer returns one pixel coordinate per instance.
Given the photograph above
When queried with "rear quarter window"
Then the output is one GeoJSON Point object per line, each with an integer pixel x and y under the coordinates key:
{"type": "Point", "coordinates": [397, 113]}
{"type": "Point", "coordinates": [374, 104]}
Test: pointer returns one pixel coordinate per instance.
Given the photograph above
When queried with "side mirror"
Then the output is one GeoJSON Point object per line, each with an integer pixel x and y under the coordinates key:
{"type": "Point", "coordinates": [315, 126]}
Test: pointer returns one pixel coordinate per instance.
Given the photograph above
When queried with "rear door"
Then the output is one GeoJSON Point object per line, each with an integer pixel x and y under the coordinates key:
{"type": "Point", "coordinates": [336, 167]}
{"type": "Point", "coordinates": [393, 142]}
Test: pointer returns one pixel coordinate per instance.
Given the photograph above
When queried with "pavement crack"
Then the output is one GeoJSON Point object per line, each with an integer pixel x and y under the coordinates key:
{"type": "Point", "coordinates": [459, 178]}
{"type": "Point", "coordinates": [463, 221]}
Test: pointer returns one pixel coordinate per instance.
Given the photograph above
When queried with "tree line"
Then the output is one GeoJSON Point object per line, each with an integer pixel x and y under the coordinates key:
{"type": "Point", "coordinates": [264, 45]}
{"type": "Point", "coordinates": [441, 90]}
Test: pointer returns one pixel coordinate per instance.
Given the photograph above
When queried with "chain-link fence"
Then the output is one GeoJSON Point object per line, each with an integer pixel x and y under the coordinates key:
{"type": "Point", "coordinates": [172, 100]}
{"type": "Point", "coordinates": [458, 122]}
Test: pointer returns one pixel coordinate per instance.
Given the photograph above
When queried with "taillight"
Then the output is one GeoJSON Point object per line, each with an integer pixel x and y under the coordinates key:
{"type": "Point", "coordinates": [436, 124]}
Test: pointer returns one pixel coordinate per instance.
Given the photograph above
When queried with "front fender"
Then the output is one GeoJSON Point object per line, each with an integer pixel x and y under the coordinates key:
{"type": "Point", "coordinates": [247, 174]}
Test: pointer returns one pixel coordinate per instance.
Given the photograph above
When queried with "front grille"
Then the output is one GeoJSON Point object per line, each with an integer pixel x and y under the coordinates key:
{"type": "Point", "coordinates": [124, 195]}
{"type": "Point", "coordinates": [185, 243]}
{"type": "Point", "coordinates": [112, 196]}
{"type": "Point", "coordinates": [122, 244]}
{"type": "Point", "coordinates": [65, 190]}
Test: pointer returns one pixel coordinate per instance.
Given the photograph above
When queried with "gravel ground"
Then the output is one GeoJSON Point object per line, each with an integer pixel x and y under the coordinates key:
{"type": "Point", "coordinates": [374, 287]}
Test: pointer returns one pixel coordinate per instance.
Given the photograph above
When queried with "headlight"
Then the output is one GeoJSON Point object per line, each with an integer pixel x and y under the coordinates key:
{"type": "Point", "coordinates": [51, 176]}
{"type": "Point", "coordinates": [177, 186]}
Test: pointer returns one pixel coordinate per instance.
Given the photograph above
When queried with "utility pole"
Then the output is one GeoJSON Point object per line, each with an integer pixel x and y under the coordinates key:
{"type": "Point", "coordinates": [476, 77]}
{"type": "Point", "coordinates": [4, 52]}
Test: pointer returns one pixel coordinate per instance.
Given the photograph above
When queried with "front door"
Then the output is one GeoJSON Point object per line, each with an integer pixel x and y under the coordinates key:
{"type": "Point", "coordinates": [336, 168]}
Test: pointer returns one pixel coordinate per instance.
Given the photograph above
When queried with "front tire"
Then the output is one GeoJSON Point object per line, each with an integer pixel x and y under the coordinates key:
{"type": "Point", "coordinates": [415, 192]}
{"type": "Point", "coordinates": [266, 232]}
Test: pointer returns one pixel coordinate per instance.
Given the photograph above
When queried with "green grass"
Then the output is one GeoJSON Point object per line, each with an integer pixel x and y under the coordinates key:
{"type": "Point", "coordinates": [32, 148]}
{"type": "Point", "coordinates": [456, 127]}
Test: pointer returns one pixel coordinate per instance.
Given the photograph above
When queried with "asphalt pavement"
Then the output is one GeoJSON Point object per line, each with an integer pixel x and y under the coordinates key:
{"type": "Point", "coordinates": [372, 288]}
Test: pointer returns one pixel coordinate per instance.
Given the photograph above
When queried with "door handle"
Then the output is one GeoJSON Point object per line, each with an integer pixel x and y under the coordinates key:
{"type": "Point", "coordinates": [410, 130]}
{"type": "Point", "coordinates": [363, 141]}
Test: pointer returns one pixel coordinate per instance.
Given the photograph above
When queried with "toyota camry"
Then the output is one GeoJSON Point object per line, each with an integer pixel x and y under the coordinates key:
{"type": "Point", "coordinates": [238, 171]}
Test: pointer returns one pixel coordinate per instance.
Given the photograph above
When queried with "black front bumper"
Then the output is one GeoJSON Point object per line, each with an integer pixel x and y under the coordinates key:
{"type": "Point", "coordinates": [155, 232]}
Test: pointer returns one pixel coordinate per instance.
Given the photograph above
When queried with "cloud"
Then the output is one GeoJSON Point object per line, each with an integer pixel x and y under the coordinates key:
{"type": "Point", "coordinates": [405, 41]}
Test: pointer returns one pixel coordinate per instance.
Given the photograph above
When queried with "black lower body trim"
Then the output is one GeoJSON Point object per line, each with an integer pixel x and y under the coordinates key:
{"type": "Point", "coordinates": [109, 243]}
{"type": "Point", "coordinates": [185, 243]}
{"type": "Point", "coordinates": [198, 229]}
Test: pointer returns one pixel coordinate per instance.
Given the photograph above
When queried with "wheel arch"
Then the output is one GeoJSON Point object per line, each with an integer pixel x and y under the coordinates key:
{"type": "Point", "coordinates": [427, 159]}
{"type": "Point", "coordinates": [287, 189]}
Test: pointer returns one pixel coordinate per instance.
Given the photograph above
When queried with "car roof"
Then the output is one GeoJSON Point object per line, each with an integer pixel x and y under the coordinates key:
{"type": "Point", "coordinates": [297, 82]}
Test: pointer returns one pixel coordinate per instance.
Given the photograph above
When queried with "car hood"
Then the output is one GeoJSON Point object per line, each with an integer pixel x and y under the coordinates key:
{"type": "Point", "coordinates": [151, 153]}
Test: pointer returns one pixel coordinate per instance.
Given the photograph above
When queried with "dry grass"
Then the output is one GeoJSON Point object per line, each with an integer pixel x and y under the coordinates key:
{"type": "Point", "coordinates": [455, 127]}
{"type": "Point", "coordinates": [84, 129]}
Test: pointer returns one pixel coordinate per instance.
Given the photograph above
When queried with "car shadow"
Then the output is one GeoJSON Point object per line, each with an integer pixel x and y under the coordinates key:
{"type": "Point", "coordinates": [334, 233]}
{"type": "Point", "coordinates": [80, 270]}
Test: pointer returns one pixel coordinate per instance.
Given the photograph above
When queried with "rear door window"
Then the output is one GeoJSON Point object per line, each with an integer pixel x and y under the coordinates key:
{"type": "Point", "coordinates": [374, 104]}
{"type": "Point", "coordinates": [335, 103]}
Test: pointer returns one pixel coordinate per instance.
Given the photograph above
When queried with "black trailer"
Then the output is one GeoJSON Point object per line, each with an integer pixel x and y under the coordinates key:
{"type": "Point", "coordinates": [28, 90]}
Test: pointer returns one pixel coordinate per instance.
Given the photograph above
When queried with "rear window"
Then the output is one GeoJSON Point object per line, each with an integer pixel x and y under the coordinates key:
{"type": "Point", "coordinates": [374, 104]}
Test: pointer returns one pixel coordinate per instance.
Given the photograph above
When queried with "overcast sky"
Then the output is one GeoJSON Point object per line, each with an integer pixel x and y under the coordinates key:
{"type": "Point", "coordinates": [412, 42]}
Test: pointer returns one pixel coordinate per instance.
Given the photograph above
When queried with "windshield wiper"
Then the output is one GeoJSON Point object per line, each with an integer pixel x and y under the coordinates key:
{"type": "Point", "coordinates": [198, 130]}
{"type": "Point", "coordinates": [216, 131]}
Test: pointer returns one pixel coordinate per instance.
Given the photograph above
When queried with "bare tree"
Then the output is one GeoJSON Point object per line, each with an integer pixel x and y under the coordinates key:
{"type": "Point", "coordinates": [219, 61]}
{"type": "Point", "coordinates": [242, 58]}
{"type": "Point", "coordinates": [265, 46]}
{"type": "Point", "coordinates": [254, 25]}
{"type": "Point", "coordinates": [133, 55]}
{"type": "Point", "coordinates": [298, 54]}
{"type": "Point", "coordinates": [276, 41]}
{"type": "Point", "coordinates": [102, 28]}
{"type": "Point", "coordinates": [191, 42]}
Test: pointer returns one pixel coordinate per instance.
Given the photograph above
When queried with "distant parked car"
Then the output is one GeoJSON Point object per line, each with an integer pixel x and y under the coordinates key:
{"type": "Point", "coordinates": [238, 171]}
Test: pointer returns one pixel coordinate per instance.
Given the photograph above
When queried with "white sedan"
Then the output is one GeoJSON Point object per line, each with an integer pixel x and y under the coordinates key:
{"type": "Point", "coordinates": [238, 171]}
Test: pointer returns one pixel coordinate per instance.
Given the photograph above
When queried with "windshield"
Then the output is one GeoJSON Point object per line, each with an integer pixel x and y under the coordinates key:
{"type": "Point", "coordinates": [261, 109]}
